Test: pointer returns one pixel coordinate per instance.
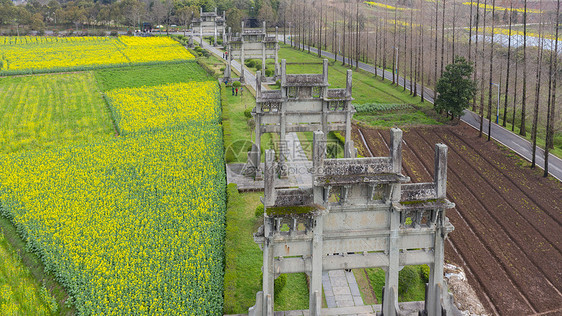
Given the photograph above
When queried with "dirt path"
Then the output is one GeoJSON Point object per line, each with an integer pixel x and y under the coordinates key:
{"type": "Point", "coordinates": [507, 218]}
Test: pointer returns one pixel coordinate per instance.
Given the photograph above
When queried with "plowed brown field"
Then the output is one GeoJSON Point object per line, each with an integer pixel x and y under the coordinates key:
{"type": "Point", "coordinates": [508, 219]}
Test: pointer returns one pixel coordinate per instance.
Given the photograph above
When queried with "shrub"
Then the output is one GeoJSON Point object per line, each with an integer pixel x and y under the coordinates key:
{"type": "Point", "coordinates": [114, 33]}
{"type": "Point", "coordinates": [248, 113]}
{"type": "Point", "coordinates": [259, 210]}
{"type": "Point", "coordinates": [424, 273]}
{"type": "Point", "coordinates": [222, 69]}
{"type": "Point", "coordinates": [407, 278]}
{"type": "Point", "coordinates": [269, 72]}
{"type": "Point", "coordinates": [236, 84]}
{"type": "Point", "coordinates": [250, 63]}
{"type": "Point", "coordinates": [279, 284]}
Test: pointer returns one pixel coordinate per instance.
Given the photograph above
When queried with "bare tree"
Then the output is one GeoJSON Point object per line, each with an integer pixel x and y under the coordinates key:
{"type": "Point", "coordinates": [394, 48]}
{"type": "Point", "coordinates": [411, 51]}
{"type": "Point", "coordinates": [482, 81]}
{"type": "Point", "coordinates": [508, 65]}
{"type": "Point", "coordinates": [523, 132]}
{"type": "Point", "coordinates": [515, 94]}
{"type": "Point", "coordinates": [552, 103]}
{"type": "Point", "coordinates": [420, 59]}
{"type": "Point", "coordinates": [537, 93]}
{"type": "Point", "coordinates": [343, 43]}
{"type": "Point", "coordinates": [442, 40]}
{"type": "Point", "coordinates": [491, 67]}
{"type": "Point", "coordinates": [435, 50]}
{"type": "Point", "coordinates": [357, 35]}
{"type": "Point", "coordinates": [470, 33]}
{"type": "Point", "coordinates": [476, 52]}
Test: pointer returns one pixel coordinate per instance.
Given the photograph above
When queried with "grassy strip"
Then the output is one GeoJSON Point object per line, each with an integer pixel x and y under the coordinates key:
{"type": "Point", "coordinates": [365, 287]}
{"type": "Point", "coordinates": [23, 271]}
{"type": "Point", "coordinates": [410, 117]}
{"type": "Point", "coordinates": [366, 88]}
{"type": "Point", "coordinates": [244, 258]}
{"type": "Point", "coordinates": [153, 75]}
{"type": "Point", "coordinates": [85, 68]}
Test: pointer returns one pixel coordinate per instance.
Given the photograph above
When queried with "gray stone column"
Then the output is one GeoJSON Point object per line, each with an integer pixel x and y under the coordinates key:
{"type": "Point", "coordinates": [391, 273]}
{"type": "Point", "coordinates": [269, 227]}
{"type": "Point", "coordinates": [318, 156]}
{"type": "Point", "coordinates": [441, 171]}
{"type": "Point", "coordinates": [228, 70]}
{"type": "Point", "coordinates": [282, 122]}
{"type": "Point", "coordinates": [263, 49]}
{"type": "Point", "coordinates": [396, 150]}
{"type": "Point", "coordinates": [215, 36]}
{"type": "Point", "coordinates": [263, 59]}
{"type": "Point", "coordinates": [349, 83]}
{"type": "Point", "coordinates": [283, 78]}
{"type": "Point", "coordinates": [269, 179]}
{"type": "Point", "coordinates": [435, 285]}
{"type": "Point", "coordinates": [316, 274]}
{"type": "Point", "coordinates": [283, 141]}
{"type": "Point", "coordinates": [276, 54]}
{"type": "Point", "coordinates": [242, 54]}
{"type": "Point", "coordinates": [349, 147]}
{"type": "Point", "coordinates": [391, 276]}
{"type": "Point", "coordinates": [268, 268]}
{"type": "Point", "coordinates": [258, 85]}
{"type": "Point", "coordinates": [257, 145]}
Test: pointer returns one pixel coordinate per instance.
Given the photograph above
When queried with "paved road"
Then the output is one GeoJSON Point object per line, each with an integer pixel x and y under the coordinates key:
{"type": "Point", "coordinates": [509, 139]}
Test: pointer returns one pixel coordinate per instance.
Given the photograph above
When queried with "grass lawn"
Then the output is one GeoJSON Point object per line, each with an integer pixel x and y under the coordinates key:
{"type": "Point", "coordinates": [43, 111]}
{"type": "Point", "coordinates": [138, 76]}
{"type": "Point", "coordinates": [416, 291]}
{"type": "Point", "coordinates": [394, 118]}
{"type": "Point", "coordinates": [366, 88]}
{"type": "Point", "coordinates": [244, 260]}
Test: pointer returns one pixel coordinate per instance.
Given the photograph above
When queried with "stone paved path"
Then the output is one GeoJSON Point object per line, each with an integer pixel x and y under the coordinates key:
{"type": "Point", "coordinates": [340, 289]}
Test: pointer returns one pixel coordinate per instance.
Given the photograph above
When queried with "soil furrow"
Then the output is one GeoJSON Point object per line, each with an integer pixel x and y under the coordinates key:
{"type": "Point", "coordinates": [532, 242]}
{"type": "Point", "coordinates": [529, 183]}
{"type": "Point", "coordinates": [530, 280]}
{"type": "Point", "coordinates": [490, 273]}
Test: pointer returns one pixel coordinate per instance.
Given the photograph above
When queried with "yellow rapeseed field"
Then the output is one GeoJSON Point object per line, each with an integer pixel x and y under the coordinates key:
{"type": "Point", "coordinates": [41, 54]}
{"type": "Point", "coordinates": [147, 108]}
{"type": "Point", "coordinates": [489, 7]}
{"type": "Point", "coordinates": [384, 6]}
{"type": "Point", "coordinates": [131, 224]}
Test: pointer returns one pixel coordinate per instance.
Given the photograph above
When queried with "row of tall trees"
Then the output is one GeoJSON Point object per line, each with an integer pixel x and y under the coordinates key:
{"type": "Point", "coordinates": [415, 39]}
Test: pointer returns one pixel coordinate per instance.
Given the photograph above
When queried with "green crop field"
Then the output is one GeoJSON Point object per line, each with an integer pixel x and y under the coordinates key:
{"type": "Point", "coordinates": [51, 110]}
{"type": "Point", "coordinates": [154, 75]}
